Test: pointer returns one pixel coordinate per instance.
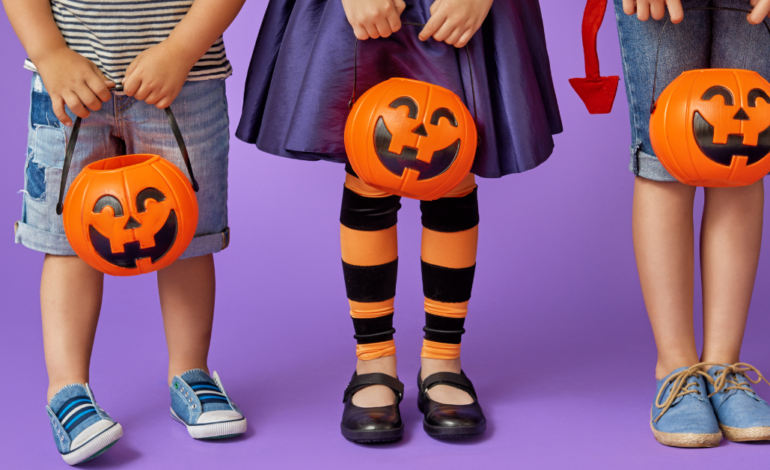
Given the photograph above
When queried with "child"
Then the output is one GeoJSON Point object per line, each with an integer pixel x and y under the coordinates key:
{"type": "Point", "coordinates": [682, 414]}
{"type": "Point", "coordinates": [296, 105]}
{"type": "Point", "coordinates": [161, 53]}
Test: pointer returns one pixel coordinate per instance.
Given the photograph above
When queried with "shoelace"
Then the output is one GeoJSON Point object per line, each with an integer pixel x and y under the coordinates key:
{"type": "Point", "coordinates": [739, 368]}
{"type": "Point", "coordinates": [679, 387]}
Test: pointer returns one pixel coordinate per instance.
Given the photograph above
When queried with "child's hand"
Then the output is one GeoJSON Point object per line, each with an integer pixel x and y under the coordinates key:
{"type": "Point", "coordinates": [73, 80]}
{"type": "Point", "coordinates": [157, 74]}
{"type": "Point", "coordinates": [374, 18]}
{"type": "Point", "coordinates": [643, 9]}
{"type": "Point", "coordinates": [455, 21]}
{"type": "Point", "coordinates": [760, 11]}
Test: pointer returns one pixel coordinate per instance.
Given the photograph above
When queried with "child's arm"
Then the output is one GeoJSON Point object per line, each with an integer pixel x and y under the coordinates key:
{"type": "Point", "coordinates": [760, 12]}
{"type": "Point", "coordinates": [157, 74]}
{"type": "Point", "coordinates": [374, 18]}
{"type": "Point", "coordinates": [455, 21]}
{"type": "Point", "coordinates": [656, 8]}
{"type": "Point", "coordinates": [68, 77]}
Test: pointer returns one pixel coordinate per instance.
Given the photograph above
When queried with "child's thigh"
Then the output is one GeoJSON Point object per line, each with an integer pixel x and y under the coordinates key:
{"type": "Point", "coordinates": [684, 46]}
{"type": "Point", "coordinates": [201, 113]}
{"type": "Point", "coordinates": [40, 228]}
{"type": "Point", "coordinates": [737, 44]}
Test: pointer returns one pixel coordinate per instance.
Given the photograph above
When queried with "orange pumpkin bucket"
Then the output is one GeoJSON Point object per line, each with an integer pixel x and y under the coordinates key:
{"type": "Point", "coordinates": [712, 127]}
{"type": "Point", "coordinates": [410, 138]}
{"type": "Point", "coordinates": [131, 214]}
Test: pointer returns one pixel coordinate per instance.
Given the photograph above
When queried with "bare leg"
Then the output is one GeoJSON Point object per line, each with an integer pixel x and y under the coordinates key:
{"type": "Point", "coordinates": [70, 301]}
{"type": "Point", "coordinates": [664, 246]}
{"type": "Point", "coordinates": [187, 289]}
{"type": "Point", "coordinates": [730, 239]}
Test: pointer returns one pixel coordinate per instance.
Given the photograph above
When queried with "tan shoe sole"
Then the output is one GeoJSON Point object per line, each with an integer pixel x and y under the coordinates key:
{"type": "Point", "coordinates": [745, 434]}
{"type": "Point", "coordinates": [677, 439]}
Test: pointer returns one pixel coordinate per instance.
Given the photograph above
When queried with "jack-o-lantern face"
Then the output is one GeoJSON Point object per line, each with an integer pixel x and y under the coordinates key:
{"type": "Point", "coordinates": [753, 146]}
{"type": "Point", "coordinates": [440, 160]}
{"type": "Point", "coordinates": [410, 138]}
{"type": "Point", "coordinates": [137, 214]}
{"type": "Point", "coordinates": [712, 127]}
{"type": "Point", "coordinates": [144, 235]}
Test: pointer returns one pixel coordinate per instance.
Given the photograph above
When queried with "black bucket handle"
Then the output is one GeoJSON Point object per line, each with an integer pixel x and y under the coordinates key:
{"type": "Point", "coordinates": [660, 40]}
{"type": "Point", "coordinates": [71, 149]}
{"type": "Point", "coordinates": [355, 74]}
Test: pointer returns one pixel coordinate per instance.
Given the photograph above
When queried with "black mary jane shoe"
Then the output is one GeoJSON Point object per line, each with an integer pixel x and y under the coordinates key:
{"type": "Point", "coordinates": [372, 425]}
{"type": "Point", "coordinates": [449, 421]}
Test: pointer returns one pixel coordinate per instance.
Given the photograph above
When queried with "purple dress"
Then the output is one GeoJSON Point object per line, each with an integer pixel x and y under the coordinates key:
{"type": "Point", "coordinates": [300, 80]}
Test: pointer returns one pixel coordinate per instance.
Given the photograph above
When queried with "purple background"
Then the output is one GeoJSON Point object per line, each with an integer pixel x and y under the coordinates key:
{"type": "Point", "coordinates": [558, 342]}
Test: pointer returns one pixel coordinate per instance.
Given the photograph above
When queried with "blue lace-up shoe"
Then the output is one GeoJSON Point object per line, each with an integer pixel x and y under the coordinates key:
{"type": "Point", "coordinates": [81, 429]}
{"type": "Point", "coordinates": [681, 414]}
{"type": "Point", "coordinates": [200, 403]}
{"type": "Point", "coordinates": [742, 415]}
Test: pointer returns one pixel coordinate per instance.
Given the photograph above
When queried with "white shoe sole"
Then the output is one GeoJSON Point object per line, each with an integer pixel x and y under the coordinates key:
{"type": "Point", "coordinates": [213, 430]}
{"type": "Point", "coordinates": [95, 446]}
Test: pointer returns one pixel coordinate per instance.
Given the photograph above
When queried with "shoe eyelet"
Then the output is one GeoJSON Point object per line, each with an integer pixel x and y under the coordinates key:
{"type": "Point", "coordinates": [194, 406]}
{"type": "Point", "coordinates": [190, 400]}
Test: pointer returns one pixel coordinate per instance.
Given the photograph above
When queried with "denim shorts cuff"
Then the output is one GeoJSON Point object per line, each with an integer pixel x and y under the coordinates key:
{"type": "Point", "coordinates": [649, 167]}
{"type": "Point", "coordinates": [207, 244]}
{"type": "Point", "coordinates": [57, 244]}
{"type": "Point", "coordinates": [40, 240]}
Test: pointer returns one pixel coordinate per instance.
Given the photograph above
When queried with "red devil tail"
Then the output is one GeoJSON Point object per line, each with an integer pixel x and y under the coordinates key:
{"type": "Point", "coordinates": [597, 92]}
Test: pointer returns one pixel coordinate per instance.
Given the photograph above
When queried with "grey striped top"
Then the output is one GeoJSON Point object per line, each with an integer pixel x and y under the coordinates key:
{"type": "Point", "coordinates": [111, 33]}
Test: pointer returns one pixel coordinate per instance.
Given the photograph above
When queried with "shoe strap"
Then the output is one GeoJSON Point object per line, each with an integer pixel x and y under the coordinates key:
{"type": "Point", "coordinates": [459, 381]}
{"type": "Point", "coordinates": [359, 382]}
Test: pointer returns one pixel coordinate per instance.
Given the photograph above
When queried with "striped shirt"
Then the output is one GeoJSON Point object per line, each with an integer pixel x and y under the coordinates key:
{"type": "Point", "coordinates": [111, 33]}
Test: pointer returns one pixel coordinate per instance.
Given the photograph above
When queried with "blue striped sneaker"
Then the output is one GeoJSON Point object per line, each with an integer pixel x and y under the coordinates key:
{"type": "Point", "coordinates": [81, 429]}
{"type": "Point", "coordinates": [202, 405]}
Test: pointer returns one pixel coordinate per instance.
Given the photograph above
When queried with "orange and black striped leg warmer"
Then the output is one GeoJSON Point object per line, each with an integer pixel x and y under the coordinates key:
{"type": "Point", "coordinates": [370, 264]}
{"type": "Point", "coordinates": [449, 242]}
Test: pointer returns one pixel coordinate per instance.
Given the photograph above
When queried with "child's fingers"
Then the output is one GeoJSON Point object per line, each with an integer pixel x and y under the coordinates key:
{"type": "Point", "coordinates": [57, 103]}
{"type": "Point", "coordinates": [434, 7]}
{"type": "Point", "coordinates": [100, 87]}
{"type": "Point", "coordinates": [142, 93]}
{"type": "Point", "coordinates": [465, 38]}
{"type": "Point", "coordinates": [129, 72]}
{"type": "Point", "coordinates": [759, 12]}
{"type": "Point", "coordinates": [445, 30]}
{"type": "Point", "coordinates": [642, 10]}
{"type": "Point", "coordinates": [658, 10]}
{"type": "Point", "coordinates": [383, 27]}
{"type": "Point", "coordinates": [88, 98]}
{"type": "Point", "coordinates": [360, 32]}
{"type": "Point", "coordinates": [74, 104]}
{"type": "Point", "coordinates": [675, 11]}
{"type": "Point", "coordinates": [371, 30]}
{"type": "Point", "coordinates": [394, 18]}
{"type": "Point", "coordinates": [103, 90]}
{"type": "Point", "coordinates": [153, 97]}
{"type": "Point", "coordinates": [400, 7]}
{"type": "Point", "coordinates": [433, 24]}
{"type": "Point", "coordinates": [131, 84]}
{"type": "Point", "coordinates": [454, 36]}
{"type": "Point", "coordinates": [629, 7]}
{"type": "Point", "coordinates": [164, 102]}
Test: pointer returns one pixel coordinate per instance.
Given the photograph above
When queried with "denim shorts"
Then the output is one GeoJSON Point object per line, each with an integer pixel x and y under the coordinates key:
{"type": "Point", "coordinates": [127, 126]}
{"type": "Point", "coordinates": [705, 39]}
